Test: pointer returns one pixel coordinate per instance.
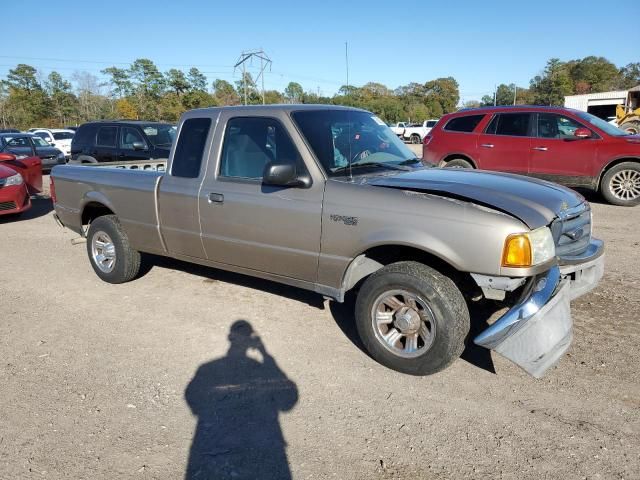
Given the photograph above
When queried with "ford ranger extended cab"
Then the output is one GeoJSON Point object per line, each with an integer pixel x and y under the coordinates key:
{"type": "Point", "coordinates": [328, 199]}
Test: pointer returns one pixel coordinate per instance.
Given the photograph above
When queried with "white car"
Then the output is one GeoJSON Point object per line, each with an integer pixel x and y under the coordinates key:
{"type": "Point", "coordinates": [417, 133]}
{"type": "Point", "coordinates": [56, 137]}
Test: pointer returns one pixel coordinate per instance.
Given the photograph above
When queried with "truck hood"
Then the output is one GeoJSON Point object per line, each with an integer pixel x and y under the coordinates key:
{"type": "Point", "coordinates": [534, 202]}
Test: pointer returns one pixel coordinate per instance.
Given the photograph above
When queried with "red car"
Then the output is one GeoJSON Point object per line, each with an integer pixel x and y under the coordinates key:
{"type": "Point", "coordinates": [565, 146]}
{"type": "Point", "coordinates": [19, 178]}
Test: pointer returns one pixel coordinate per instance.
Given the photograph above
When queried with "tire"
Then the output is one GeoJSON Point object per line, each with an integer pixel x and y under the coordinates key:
{"type": "Point", "coordinates": [415, 138]}
{"type": "Point", "coordinates": [458, 163]}
{"type": "Point", "coordinates": [632, 127]}
{"type": "Point", "coordinates": [442, 314]}
{"type": "Point", "coordinates": [621, 184]}
{"type": "Point", "coordinates": [106, 238]}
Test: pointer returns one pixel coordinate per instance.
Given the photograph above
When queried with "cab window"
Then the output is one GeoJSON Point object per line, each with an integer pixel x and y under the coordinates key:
{"type": "Point", "coordinates": [187, 158]}
{"type": "Point", "coordinates": [250, 143]}
{"type": "Point", "coordinates": [129, 136]}
{"type": "Point", "coordinates": [510, 124]}
{"type": "Point", "coordinates": [556, 126]}
{"type": "Point", "coordinates": [107, 136]}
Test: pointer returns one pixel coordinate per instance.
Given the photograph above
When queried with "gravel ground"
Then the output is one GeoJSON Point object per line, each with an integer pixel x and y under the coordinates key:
{"type": "Point", "coordinates": [159, 378]}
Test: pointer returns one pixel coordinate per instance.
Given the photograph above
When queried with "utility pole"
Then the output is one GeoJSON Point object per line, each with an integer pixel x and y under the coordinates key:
{"type": "Point", "coordinates": [265, 62]}
{"type": "Point", "coordinates": [515, 93]}
{"type": "Point", "coordinates": [495, 94]}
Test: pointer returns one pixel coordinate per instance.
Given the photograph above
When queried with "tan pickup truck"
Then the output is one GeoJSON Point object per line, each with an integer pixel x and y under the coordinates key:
{"type": "Point", "coordinates": [328, 199]}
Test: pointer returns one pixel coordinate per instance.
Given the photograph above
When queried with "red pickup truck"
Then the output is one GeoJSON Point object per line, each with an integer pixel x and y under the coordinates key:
{"type": "Point", "coordinates": [565, 146]}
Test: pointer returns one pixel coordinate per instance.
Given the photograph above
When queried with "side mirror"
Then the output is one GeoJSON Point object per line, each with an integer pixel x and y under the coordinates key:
{"type": "Point", "coordinates": [139, 146]}
{"type": "Point", "coordinates": [582, 133]}
{"type": "Point", "coordinates": [7, 157]}
{"type": "Point", "coordinates": [283, 175]}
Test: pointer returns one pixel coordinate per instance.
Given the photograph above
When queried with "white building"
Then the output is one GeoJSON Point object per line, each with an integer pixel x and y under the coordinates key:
{"type": "Point", "coordinates": [602, 104]}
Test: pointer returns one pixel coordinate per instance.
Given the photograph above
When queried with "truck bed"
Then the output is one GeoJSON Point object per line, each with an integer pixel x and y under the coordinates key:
{"type": "Point", "coordinates": [128, 189]}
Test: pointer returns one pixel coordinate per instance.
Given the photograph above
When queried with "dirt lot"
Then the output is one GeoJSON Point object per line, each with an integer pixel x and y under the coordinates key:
{"type": "Point", "coordinates": [103, 381]}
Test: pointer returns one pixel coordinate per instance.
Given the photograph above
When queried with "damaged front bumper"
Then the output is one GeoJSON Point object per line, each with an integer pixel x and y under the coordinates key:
{"type": "Point", "coordinates": [535, 333]}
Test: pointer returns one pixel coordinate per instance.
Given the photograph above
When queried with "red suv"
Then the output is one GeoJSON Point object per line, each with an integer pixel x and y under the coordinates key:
{"type": "Point", "coordinates": [562, 145]}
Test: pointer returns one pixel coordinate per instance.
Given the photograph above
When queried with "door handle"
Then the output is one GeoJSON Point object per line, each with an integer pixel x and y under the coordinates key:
{"type": "Point", "coordinates": [540, 149]}
{"type": "Point", "coordinates": [216, 198]}
{"type": "Point", "coordinates": [487, 145]}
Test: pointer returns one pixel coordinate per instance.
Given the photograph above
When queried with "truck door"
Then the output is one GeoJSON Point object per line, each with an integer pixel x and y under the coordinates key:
{"type": "Point", "coordinates": [505, 145]}
{"type": "Point", "coordinates": [261, 227]}
{"type": "Point", "coordinates": [180, 186]}
{"type": "Point", "coordinates": [558, 155]}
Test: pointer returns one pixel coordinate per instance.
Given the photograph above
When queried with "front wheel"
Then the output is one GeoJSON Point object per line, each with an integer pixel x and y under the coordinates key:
{"type": "Point", "coordinates": [458, 163]}
{"type": "Point", "coordinates": [412, 318]}
{"type": "Point", "coordinates": [632, 128]}
{"type": "Point", "coordinates": [415, 139]}
{"type": "Point", "coordinates": [110, 254]}
{"type": "Point", "coordinates": [621, 184]}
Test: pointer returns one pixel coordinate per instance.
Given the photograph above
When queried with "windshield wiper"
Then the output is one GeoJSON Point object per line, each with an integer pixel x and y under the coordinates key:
{"type": "Point", "coordinates": [411, 161]}
{"type": "Point", "coordinates": [370, 165]}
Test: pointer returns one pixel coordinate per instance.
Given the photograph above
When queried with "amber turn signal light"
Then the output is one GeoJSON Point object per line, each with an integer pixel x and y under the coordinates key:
{"type": "Point", "coordinates": [517, 251]}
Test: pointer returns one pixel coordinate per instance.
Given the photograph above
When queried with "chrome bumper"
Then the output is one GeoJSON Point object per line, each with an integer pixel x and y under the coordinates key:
{"type": "Point", "coordinates": [535, 333]}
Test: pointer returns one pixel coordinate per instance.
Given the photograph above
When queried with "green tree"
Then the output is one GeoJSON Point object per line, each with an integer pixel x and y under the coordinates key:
{"type": "Point", "coordinates": [224, 93]}
{"type": "Point", "coordinates": [629, 76]}
{"type": "Point", "coordinates": [595, 74]}
{"type": "Point", "coordinates": [63, 102]}
{"type": "Point", "coordinates": [197, 81]}
{"type": "Point", "coordinates": [27, 103]}
{"type": "Point", "coordinates": [552, 85]}
{"type": "Point", "coordinates": [443, 92]}
{"type": "Point", "coordinates": [177, 81]}
{"type": "Point", "coordinates": [247, 90]}
{"type": "Point", "coordinates": [120, 81]}
{"type": "Point", "coordinates": [293, 92]}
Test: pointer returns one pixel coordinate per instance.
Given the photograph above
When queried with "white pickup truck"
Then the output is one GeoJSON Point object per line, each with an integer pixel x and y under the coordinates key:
{"type": "Point", "coordinates": [417, 133]}
{"type": "Point", "coordinates": [398, 128]}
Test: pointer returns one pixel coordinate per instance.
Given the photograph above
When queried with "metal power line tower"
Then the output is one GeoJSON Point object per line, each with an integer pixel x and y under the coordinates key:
{"type": "Point", "coordinates": [265, 62]}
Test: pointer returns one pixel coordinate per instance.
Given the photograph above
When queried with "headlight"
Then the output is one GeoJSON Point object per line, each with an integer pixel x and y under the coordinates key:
{"type": "Point", "coordinates": [61, 156]}
{"type": "Point", "coordinates": [528, 249]}
{"type": "Point", "coordinates": [14, 180]}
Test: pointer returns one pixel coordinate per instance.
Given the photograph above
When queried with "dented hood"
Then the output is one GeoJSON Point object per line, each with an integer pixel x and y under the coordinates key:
{"type": "Point", "coordinates": [534, 202]}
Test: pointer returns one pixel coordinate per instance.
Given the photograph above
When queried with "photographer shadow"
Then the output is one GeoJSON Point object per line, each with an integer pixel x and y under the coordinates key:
{"type": "Point", "coordinates": [237, 400]}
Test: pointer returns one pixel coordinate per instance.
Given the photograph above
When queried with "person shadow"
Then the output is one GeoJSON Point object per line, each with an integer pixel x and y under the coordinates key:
{"type": "Point", "coordinates": [237, 400]}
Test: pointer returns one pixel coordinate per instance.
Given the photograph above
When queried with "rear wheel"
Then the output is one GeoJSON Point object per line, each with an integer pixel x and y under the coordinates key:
{"type": "Point", "coordinates": [621, 184]}
{"type": "Point", "coordinates": [632, 127]}
{"type": "Point", "coordinates": [458, 163]}
{"type": "Point", "coordinates": [411, 318]}
{"type": "Point", "coordinates": [110, 254]}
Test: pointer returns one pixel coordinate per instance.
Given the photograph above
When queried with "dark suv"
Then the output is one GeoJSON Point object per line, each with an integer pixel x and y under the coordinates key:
{"type": "Point", "coordinates": [121, 140]}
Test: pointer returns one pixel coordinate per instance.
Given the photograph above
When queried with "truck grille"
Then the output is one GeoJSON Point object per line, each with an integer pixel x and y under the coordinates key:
{"type": "Point", "coordinates": [572, 231]}
{"type": "Point", "coordinates": [7, 206]}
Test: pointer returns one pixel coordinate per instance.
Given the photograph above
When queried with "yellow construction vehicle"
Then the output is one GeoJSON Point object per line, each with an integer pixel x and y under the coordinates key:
{"type": "Point", "coordinates": [628, 117]}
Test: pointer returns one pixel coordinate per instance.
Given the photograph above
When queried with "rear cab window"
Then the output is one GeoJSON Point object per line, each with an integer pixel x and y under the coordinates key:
{"type": "Point", "coordinates": [187, 158]}
{"type": "Point", "coordinates": [465, 124]}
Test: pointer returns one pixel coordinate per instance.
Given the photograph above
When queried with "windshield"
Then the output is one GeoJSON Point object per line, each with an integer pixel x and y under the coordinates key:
{"type": "Point", "coordinates": [39, 142]}
{"type": "Point", "coordinates": [338, 137]}
{"type": "Point", "coordinates": [160, 134]}
{"type": "Point", "coordinates": [63, 135]}
{"type": "Point", "coordinates": [602, 125]}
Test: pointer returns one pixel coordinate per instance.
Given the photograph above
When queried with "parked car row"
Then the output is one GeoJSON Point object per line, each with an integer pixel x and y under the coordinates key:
{"type": "Point", "coordinates": [562, 145]}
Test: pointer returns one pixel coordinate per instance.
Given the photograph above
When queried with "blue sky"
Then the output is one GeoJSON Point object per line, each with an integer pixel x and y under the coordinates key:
{"type": "Point", "coordinates": [394, 43]}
